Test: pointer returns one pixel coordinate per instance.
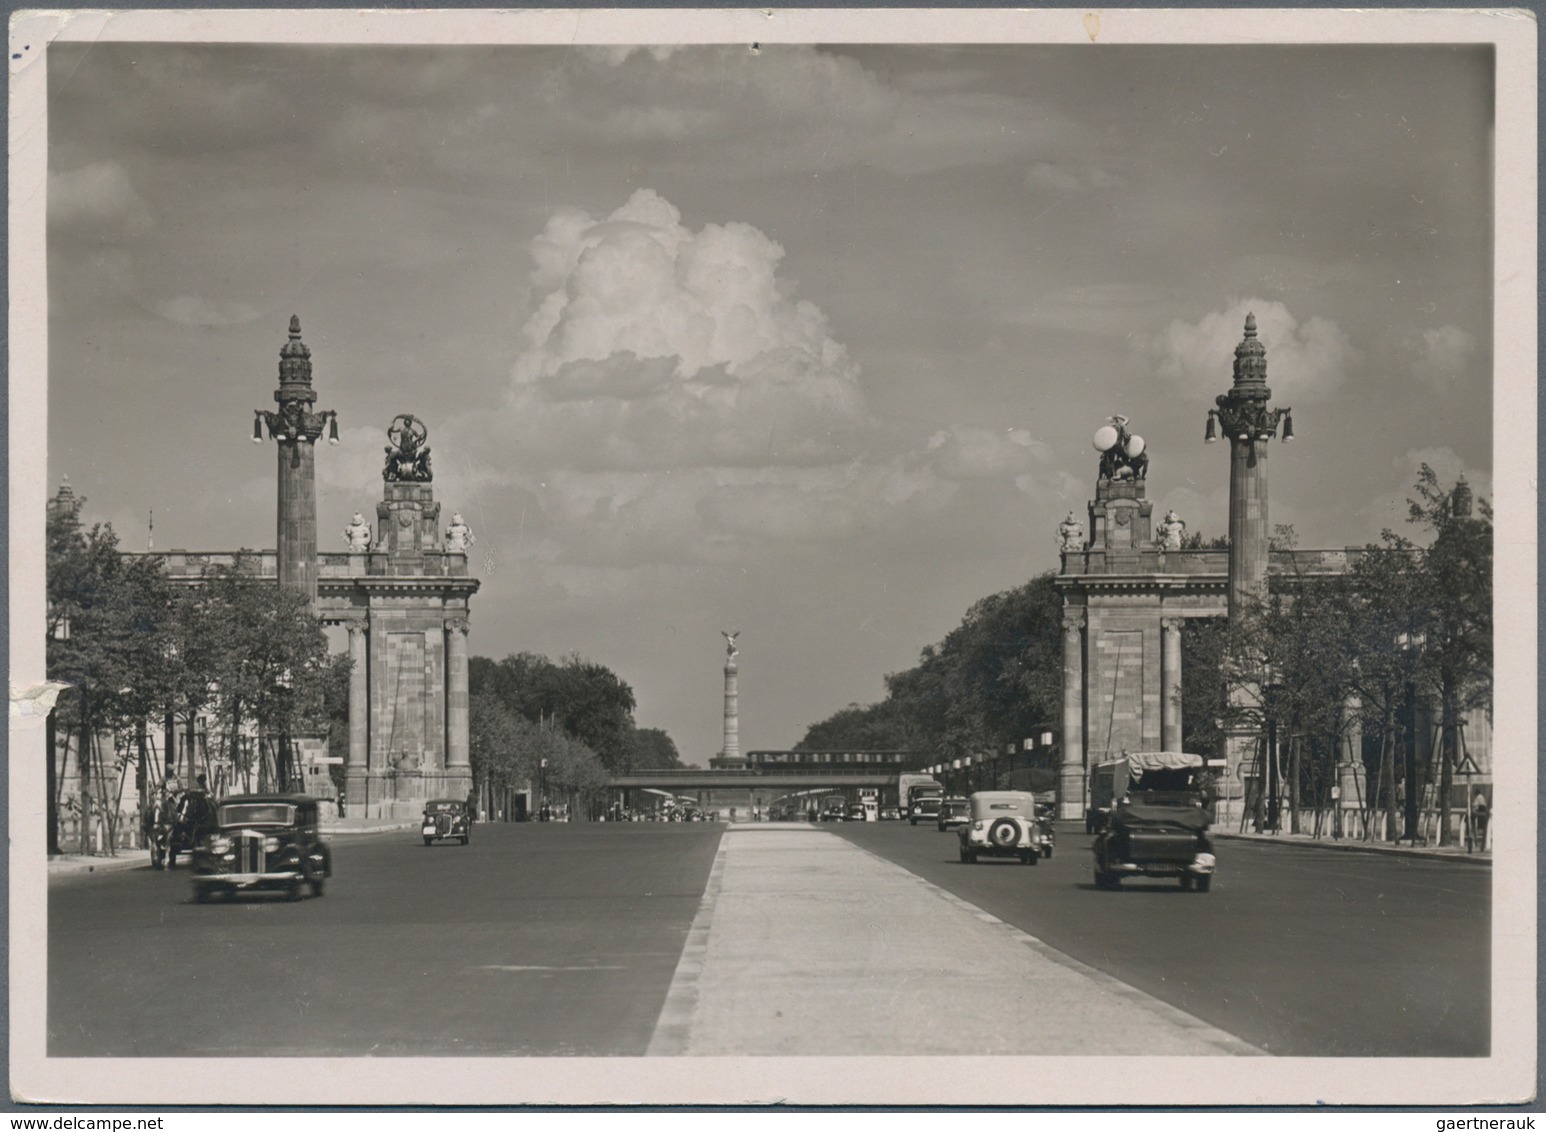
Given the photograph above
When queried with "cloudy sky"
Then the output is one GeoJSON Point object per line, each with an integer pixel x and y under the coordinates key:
{"type": "Point", "coordinates": [803, 341]}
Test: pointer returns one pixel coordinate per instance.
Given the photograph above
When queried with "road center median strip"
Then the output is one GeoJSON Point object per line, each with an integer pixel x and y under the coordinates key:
{"type": "Point", "coordinates": [805, 944]}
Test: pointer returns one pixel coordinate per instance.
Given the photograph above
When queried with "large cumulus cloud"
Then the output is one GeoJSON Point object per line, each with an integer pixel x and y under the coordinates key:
{"type": "Point", "coordinates": [674, 398]}
{"type": "Point", "coordinates": [652, 346]}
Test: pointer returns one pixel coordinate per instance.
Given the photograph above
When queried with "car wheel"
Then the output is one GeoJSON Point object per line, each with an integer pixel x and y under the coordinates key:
{"type": "Point", "coordinates": [1186, 882]}
{"type": "Point", "coordinates": [1204, 883]}
{"type": "Point", "coordinates": [465, 840]}
{"type": "Point", "coordinates": [316, 885]}
{"type": "Point", "coordinates": [429, 841]}
{"type": "Point", "coordinates": [201, 894]}
{"type": "Point", "coordinates": [171, 858]}
{"type": "Point", "coordinates": [912, 821]}
{"type": "Point", "coordinates": [1046, 851]}
{"type": "Point", "coordinates": [1003, 834]}
{"type": "Point", "coordinates": [293, 890]}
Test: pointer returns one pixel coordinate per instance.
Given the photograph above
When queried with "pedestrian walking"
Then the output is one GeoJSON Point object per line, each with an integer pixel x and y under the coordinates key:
{"type": "Point", "coordinates": [1479, 810]}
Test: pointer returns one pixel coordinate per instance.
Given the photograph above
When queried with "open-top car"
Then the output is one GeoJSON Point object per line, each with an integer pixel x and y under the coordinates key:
{"type": "Point", "coordinates": [446, 818]}
{"type": "Point", "coordinates": [262, 841]}
{"type": "Point", "coordinates": [1005, 823]}
{"type": "Point", "coordinates": [1158, 825]}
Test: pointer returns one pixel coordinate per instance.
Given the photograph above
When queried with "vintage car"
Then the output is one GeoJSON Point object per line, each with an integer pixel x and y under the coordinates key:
{"type": "Point", "coordinates": [952, 812]}
{"type": "Point", "coordinates": [186, 819]}
{"type": "Point", "coordinates": [1158, 826]}
{"type": "Point", "coordinates": [262, 841]}
{"type": "Point", "coordinates": [445, 818]}
{"type": "Point", "coordinates": [924, 809]}
{"type": "Point", "coordinates": [1005, 823]}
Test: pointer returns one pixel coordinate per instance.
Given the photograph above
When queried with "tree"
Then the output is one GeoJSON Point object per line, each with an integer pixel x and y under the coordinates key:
{"type": "Point", "coordinates": [995, 679]}
{"type": "Point", "coordinates": [269, 671]}
{"type": "Point", "coordinates": [1453, 587]}
{"type": "Point", "coordinates": [107, 622]}
{"type": "Point", "coordinates": [497, 745]}
{"type": "Point", "coordinates": [586, 700]}
{"type": "Point", "coordinates": [874, 727]}
{"type": "Point", "coordinates": [649, 748]}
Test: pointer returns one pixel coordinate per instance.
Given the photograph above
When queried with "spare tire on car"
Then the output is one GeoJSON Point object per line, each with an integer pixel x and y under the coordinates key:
{"type": "Point", "coordinates": [1004, 834]}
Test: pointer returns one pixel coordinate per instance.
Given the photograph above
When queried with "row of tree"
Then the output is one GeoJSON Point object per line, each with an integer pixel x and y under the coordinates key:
{"type": "Point", "coordinates": [134, 648]}
{"type": "Point", "coordinates": [1406, 623]}
{"type": "Point", "coordinates": [560, 728]}
{"type": "Point", "coordinates": [1404, 637]}
{"type": "Point", "coordinates": [994, 679]}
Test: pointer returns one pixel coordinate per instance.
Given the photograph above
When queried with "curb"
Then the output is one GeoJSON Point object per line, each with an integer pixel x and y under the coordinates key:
{"type": "Point", "coordinates": [72, 866]}
{"type": "Point", "coordinates": [673, 1026]}
{"type": "Point", "coordinates": [87, 866]}
{"type": "Point", "coordinates": [1361, 847]}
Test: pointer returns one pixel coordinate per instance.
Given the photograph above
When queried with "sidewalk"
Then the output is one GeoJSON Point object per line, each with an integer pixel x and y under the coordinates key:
{"type": "Point", "coordinates": [807, 945]}
{"type": "Point", "coordinates": [1351, 845]}
{"type": "Point", "coordinates": [73, 864]}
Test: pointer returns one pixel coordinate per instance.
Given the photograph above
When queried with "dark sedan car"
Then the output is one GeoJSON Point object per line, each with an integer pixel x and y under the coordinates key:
{"type": "Point", "coordinates": [445, 819]}
{"type": "Point", "coordinates": [953, 812]}
{"type": "Point", "coordinates": [262, 841]}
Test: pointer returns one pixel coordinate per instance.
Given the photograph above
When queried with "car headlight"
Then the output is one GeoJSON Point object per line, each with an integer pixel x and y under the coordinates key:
{"type": "Point", "coordinates": [1205, 860]}
{"type": "Point", "coordinates": [270, 844]}
{"type": "Point", "coordinates": [219, 844]}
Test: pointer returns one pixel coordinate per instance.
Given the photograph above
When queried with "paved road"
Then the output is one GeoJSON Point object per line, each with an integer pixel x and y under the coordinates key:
{"type": "Point", "coordinates": [1299, 951]}
{"type": "Point", "coordinates": [540, 939]}
{"type": "Point", "coordinates": [565, 939]}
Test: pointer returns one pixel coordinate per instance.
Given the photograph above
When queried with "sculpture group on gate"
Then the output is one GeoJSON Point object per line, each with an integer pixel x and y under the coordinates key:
{"type": "Point", "coordinates": [1122, 455]}
{"type": "Point", "coordinates": [407, 457]}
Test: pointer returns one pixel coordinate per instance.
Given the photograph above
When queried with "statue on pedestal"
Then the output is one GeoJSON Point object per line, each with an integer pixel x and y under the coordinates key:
{"type": "Point", "coordinates": [459, 537]}
{"type": "Point", "coordinates": [407, 457]}
{"type": "Point", "coordinates": [1171, 531]}
{"type": "Point", "coordinates": [730, 650]}
{"type": "Point", "coordinates": [358, 533]}
{"type": "Point", "coordinates": [1071, 534]}
{"type": "Point", "coordinates": [1122, 455]}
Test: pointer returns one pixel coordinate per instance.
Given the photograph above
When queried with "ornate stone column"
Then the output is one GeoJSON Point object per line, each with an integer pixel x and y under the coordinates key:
{"type": "Point", "coordinates": [1072, 773]}
{"type": "Point", "coordinates": [1243, 416]}
{"type": "Point", "coordinates": [458, 756]}
{"type": "Point", "coordinates": [356, 768]}
{"type": "Point", "coordinates": [1170, 683]}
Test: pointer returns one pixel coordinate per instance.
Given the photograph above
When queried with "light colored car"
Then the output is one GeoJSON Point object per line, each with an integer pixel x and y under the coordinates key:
{"type": "Point", "coordinates": [1004, 823]}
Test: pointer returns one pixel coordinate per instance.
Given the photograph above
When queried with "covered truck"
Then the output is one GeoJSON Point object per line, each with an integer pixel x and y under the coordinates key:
{"type": "Point", "coordinates": [1157, 822]}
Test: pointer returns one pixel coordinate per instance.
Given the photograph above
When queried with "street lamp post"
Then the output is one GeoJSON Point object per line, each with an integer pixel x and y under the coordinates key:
{"type": "Point", "coordinates": [542, 790]}
{"type": "Point", "coordinates": [1409, 644]}
{"type": "Point", "coordinates": [1409, 770]}
{"type": "Point", "coordinates": [1272, 693]}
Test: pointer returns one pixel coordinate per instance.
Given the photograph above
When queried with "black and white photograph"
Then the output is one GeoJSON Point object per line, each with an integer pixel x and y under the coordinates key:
{"type": "Point", "coordinates": [723, 557]}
